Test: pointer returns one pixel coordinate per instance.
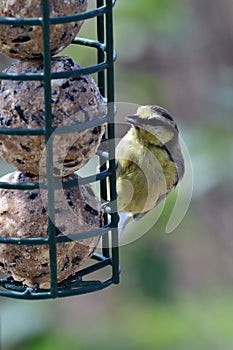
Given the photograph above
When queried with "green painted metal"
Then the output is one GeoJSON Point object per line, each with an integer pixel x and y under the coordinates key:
{"type": "Point", "coordinates": [106, 56]}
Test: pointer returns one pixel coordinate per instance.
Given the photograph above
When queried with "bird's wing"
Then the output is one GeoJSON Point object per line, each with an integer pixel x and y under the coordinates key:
{"type": "Point", "coordinates": [138, 216]}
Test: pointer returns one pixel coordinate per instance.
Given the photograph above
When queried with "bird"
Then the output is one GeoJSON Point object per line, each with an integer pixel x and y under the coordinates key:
{"type": "Point", "coordinates": [149, 159]}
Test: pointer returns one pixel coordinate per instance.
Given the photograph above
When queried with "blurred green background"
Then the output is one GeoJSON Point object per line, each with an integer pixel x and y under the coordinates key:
{"type": "Point", "coordinates": [176, 291]}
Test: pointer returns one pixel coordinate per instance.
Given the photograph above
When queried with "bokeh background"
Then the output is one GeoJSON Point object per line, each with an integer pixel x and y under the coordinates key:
{"type": "Point", "coordinates": [176, 290]}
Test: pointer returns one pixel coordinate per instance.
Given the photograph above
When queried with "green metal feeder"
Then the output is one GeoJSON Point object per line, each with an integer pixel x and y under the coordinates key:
{"type": "Point", "coordinates": [109, 257]}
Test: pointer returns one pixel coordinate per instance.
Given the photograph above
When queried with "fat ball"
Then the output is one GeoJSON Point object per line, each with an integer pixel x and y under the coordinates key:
{"type": "Point", "coordinates": [74, 100]}
{"type": "Point", "coordinates": [20, 41]}
{"type": "Point", "coordinates": [24, 214]}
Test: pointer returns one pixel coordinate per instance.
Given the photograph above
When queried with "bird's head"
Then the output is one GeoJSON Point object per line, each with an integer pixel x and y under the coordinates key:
{"type": "Point", "coordinates": [153, 124]}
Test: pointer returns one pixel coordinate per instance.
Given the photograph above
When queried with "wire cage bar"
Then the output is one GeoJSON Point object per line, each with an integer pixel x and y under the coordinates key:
{"type": "Point", "coordinates": [104, 67]}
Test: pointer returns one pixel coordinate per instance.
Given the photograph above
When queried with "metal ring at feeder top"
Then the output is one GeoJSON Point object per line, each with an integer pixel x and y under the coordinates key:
{"type": "Point", "coordinates": [60, 19]}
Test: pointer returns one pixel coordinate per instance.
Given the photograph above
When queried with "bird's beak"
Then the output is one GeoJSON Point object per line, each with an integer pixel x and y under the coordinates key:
{"type": "Point", "coordinates": [133, 119]}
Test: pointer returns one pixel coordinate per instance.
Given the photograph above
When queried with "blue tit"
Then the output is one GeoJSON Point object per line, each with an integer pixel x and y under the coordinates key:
{"type": "Point", "coordinates": [149, 160]}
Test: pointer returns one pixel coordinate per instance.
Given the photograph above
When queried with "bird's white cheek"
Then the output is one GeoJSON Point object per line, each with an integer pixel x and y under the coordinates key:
{"type": "Point", "coordinates": [163, 135]}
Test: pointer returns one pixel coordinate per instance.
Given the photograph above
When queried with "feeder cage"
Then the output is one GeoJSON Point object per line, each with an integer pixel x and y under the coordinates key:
{"type": "Point", "coordinates": [107, 259]}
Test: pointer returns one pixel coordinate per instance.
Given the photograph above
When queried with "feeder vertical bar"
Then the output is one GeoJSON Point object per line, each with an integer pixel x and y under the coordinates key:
{"type": "Point", "coordinates": [111, 136]}
{"type": "Point", "coordinates": [49, 146]}
{"type": "Point", "coordinates": [101, 84]}
{"type": "Point", "coordinates": [100, 54]}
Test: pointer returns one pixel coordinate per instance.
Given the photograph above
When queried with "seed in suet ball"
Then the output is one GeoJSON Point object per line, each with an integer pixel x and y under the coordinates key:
{"type": "Point", "coordinates": [21, 41]}
{"type": "Point", "coordinates": [24, 214]}
{"type": "Point", "coordinates": [74, 100]}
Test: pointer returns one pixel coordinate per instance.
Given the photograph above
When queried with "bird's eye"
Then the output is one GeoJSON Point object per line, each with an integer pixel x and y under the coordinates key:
{"type": "Point", "coordinates": [167, 116]}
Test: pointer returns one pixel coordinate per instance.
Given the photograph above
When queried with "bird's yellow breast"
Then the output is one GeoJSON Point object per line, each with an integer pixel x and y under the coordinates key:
{"type": "Point", "coordinates": [143, 174]}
